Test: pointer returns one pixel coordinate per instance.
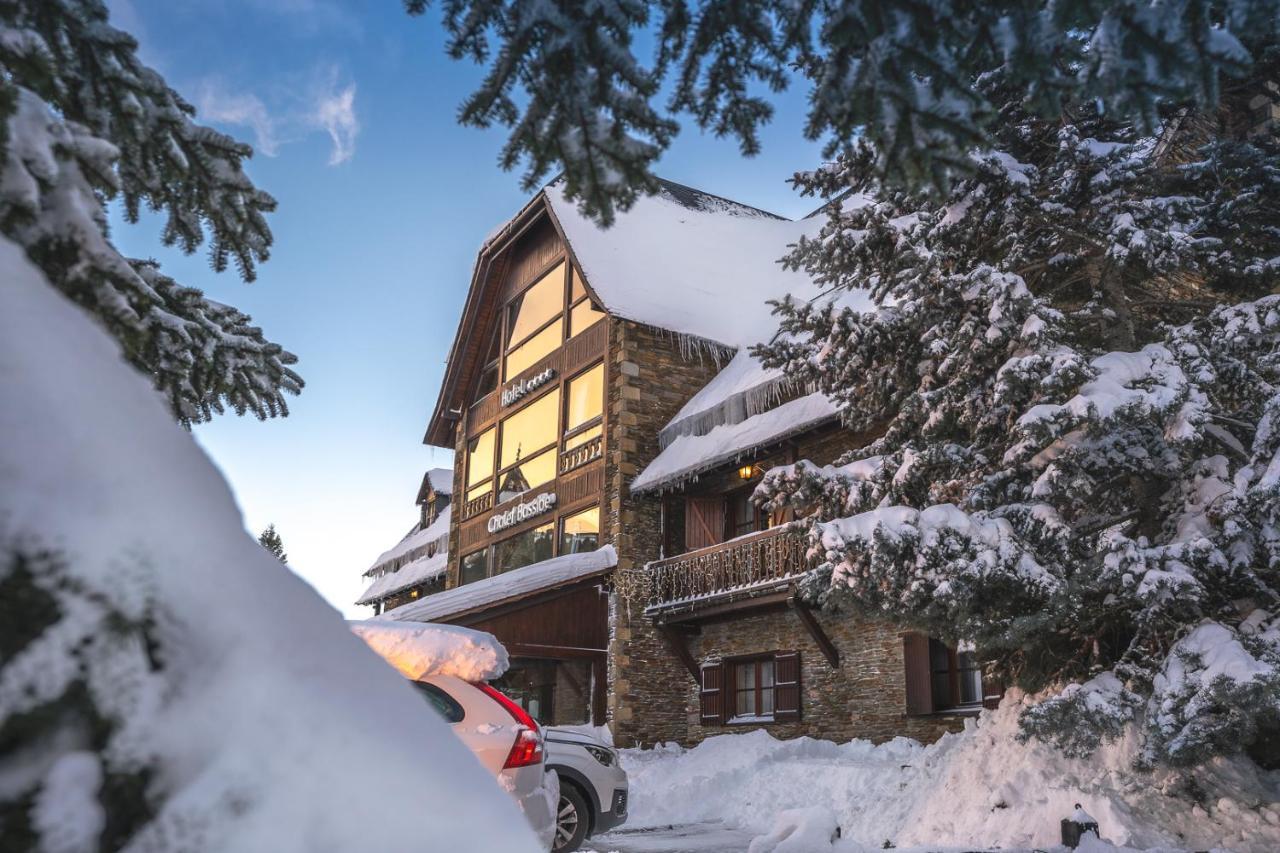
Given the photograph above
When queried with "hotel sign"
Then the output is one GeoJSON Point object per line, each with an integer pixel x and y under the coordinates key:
{"type": "Point", "coordinates": [525, 387]}
{"type": "Point", "coordinates": [544, 502]}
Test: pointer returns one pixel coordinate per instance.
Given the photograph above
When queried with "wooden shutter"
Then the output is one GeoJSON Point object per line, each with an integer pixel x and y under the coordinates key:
{"type": "Point", "coordinates": [915, 659]}
{"type": "Point", "coordinates": [711, 696]}
{"type": "Point", "coordinates": [786, 690]}
{"type": "Point", "coordinates": [704, 522]}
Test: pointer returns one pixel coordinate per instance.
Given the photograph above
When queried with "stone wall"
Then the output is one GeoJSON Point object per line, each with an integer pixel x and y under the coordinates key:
{"type": "Point", "coordinates": [864, 698]}
{"type": "Point", "coordinates": [654, 377]}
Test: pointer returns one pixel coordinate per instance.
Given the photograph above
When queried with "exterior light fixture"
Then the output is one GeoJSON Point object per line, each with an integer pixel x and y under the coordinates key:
{"type": "Point", "coordinates": [746, 471]}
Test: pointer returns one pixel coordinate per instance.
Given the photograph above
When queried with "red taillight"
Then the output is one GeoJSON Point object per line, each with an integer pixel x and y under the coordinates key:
{"type": "Point", "coordinates": [528, 746]}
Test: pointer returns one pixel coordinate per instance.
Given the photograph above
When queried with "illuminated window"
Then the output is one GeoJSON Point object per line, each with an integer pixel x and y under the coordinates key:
{"type": "Point", "coordinates": [532, 351]}
{"type": "Point", "coordinates": [523, 549]}
{"type": "Point", "coordinates": [529, 430]}
{"type": "Point", "coordinates": [583, 315]}
{"type": "Point", "coordinates": [479, 458]}
{"type": "Point", "coordinates": [584, 398]}
{"type": "Point", "coordinates": [580, 438]}
{"type": "Point", "coordinates": [529, 474]}
{"type": "Point", "coordinates": [580, 532]}
{"type": "Point", "coordinates": [538, 304]}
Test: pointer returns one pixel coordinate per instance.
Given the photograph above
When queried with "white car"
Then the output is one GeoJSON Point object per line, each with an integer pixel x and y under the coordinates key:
{"type": "Point", "coordinates": [593, 786]}
{"type": "Point", "coordinates": [504, 737]}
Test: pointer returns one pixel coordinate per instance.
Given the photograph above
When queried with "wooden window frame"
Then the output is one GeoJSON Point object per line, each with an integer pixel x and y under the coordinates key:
{"type": "Point", "coordinates": [563, 517]}
{"type": "Point", "coordinates": [534, 282]}
{"type": "Point", "coordinates": [498, 473]}
{"type": "Point", "coordinates": [920, 672]}
{"type": "Point", "coordinates": [759, 520]}
{"type": "Point", "coordinates": [718, 691]}
{"type": "Point", "coordinates": [732, 666]}
{"type": "Point", "coordinates": [598, 420]}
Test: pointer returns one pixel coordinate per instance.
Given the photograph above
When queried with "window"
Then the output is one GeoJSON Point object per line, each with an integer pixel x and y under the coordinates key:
{"type": "Point", "coordinates": [533, 329]}
{"type": "Point", "coordinates": [528, 474]}
{"type": "Point", "coordinates": [753, 690]}
{"type": "Point", "coordinates": [479, 459]}
{"type": "Point", "coordinates": [523, 549]}
{"type": "Point", "coordinates": [583, 315]}
{"type": "Point", "coordinates": [584, 399]}
{"type": "Point", "coordinates": [474, 567]}
{"type": "Point", "coordinates": [529, 430]}
{"type": "Point", "coordinates": [580, 532]}
{"type": "Point", "coordinates": [940, 678]}
{"type": "Point", "coordinates": [762, 688]}
{"type": "Point", "coordinates": [444, 704]}
{"type": "Point", "coordinates": [743, 516]}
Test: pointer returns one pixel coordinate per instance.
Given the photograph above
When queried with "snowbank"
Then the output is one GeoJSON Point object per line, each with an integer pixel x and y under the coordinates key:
{"type": "Point", "coordinates": [979, 788]}
{"type": "Point", "coordinates": [419, 649]}
{"type": "Point", "coordinates": [254, 715]}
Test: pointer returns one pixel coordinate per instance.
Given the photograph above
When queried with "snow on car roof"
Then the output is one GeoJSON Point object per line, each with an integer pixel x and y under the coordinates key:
{"type": "Point", "coordinates": [422, 649]}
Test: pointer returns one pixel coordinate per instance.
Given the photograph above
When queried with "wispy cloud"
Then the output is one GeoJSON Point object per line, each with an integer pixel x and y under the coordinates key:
{"type": "Point", "coordinates": [287, 111]}
{"type": "Point", "coordinates": [215, 103]}
{"type": "Point", "coordinates": [336, 112]}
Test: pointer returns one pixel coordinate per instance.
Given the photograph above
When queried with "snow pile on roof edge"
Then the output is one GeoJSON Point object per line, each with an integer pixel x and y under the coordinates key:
{"type": "Point", "coordinates": [421, 649]}
{"type": "Point", "coordinates": [978, 789]}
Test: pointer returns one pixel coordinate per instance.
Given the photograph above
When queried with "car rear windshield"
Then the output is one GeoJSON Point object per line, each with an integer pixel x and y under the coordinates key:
{"type": "Point", "coordinates": [445, 705]}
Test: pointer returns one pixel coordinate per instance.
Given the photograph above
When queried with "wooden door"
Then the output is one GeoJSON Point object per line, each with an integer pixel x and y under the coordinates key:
{"type": "Point", "coordinates": [703, 522]}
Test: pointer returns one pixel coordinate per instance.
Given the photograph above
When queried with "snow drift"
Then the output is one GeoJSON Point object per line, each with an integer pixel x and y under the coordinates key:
{"type": "Point", "coordinates": [256, 720]}
{"type": "Point", "coordinates": [979, 788]}
{"type": "Point", "coordinates": [420, 649]}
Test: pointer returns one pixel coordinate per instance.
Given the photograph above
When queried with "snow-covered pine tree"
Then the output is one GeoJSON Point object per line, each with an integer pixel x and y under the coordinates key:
{"type": "Point", "coordinates": [567, 81]}
{"type": "Point", "coordinates": [270, 539]}
{"type": "Point", "coordinates": [1074, 372]}
{"type": "Point", "coordinates": [82, 122]}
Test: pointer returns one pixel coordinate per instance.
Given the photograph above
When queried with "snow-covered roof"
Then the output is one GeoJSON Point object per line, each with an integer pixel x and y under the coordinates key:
{"type": "Point", "coordinates": [439, 480]}
{"type": "Point", "coordinates": [518, 583]}
{"type": "Point", "coordinates": [409, 575]}
{"type": "Point", "coordinates": [419, 537]}
{"type": "Point", "coordinates": [687, 456]}
{"type": "Point", "coordinates": [688, 262]}
{"type": "Point", "coordinates": [742, 389]}
{"type": "Point", "coordinates": [418, 649]}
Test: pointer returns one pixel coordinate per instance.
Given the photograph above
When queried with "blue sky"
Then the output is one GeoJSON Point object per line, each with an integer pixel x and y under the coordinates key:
{"type": "Point", "coordinates": [383, 203]}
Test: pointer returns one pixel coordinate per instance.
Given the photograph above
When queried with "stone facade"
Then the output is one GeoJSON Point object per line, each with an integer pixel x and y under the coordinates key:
{"type": "Point", "coordinates": [655, 376]}
{"type": "Point", "coordinates": [864, 698]}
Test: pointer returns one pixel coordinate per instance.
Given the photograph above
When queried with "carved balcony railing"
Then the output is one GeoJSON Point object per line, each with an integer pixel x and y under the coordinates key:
{"type": "Point", "coordinates": [739, 565]}
{"type": "Point", "coordinates": [477, 505]}
{"type": "Point", "coordinates": [578, 456]}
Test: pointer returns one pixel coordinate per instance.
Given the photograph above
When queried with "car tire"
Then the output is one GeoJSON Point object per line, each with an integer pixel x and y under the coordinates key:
{"type": "Point", "coordinates": [573, 820]}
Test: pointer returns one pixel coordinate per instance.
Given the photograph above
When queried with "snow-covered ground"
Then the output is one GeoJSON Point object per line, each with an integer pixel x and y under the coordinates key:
{"type": "Point", "coordinates": [977, 789]}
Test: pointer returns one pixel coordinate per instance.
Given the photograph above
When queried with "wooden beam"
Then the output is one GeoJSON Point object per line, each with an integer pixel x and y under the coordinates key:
{"type": "Point", "coordinates": [829, 650]}
{"type": "Point", "coordinates": [723, 608]}
{"type": "Point", "coordinates": [675, 639]}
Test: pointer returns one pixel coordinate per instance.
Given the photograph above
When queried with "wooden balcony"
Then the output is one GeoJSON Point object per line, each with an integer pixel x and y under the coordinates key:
{"type": "Point", "coordinates": [477, 505]}
{"type": "Point", "coordinates": [588, 451]}
{"type": "Point", "coordinates": [742, 567]}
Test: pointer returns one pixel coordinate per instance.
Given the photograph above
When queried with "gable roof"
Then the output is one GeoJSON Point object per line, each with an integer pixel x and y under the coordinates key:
{"type": "Point", "coordinates": [692, 263]}
{"type": "Point", "coordinates": [439, 480]}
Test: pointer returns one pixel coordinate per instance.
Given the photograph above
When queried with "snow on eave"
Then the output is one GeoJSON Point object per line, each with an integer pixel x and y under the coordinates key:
{"type": "Point", "coordinates": [409, 575]}
{"type": "Point", "coordinates": [743, 389]}
{"type": "Point", "coordinates": [515, 584]}
{"type": "Point", "coordinates": [689, 456]}
{"type": "Point", "coordinates": [418, 537]}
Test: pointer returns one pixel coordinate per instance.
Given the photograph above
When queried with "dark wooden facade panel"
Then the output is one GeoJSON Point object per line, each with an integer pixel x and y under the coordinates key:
{"type": "Point", "coordinates": [575, 622]}
{"type": "Point", "coordinates": [582, 485]}
{"type": "Point", "coordinates": [586, 347]}
{"type": "Point", "coordinates": [530, 258]}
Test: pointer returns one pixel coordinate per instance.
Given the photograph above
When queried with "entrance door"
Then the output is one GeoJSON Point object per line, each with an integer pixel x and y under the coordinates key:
{"type": "Point", "coordinates": [704, 522]}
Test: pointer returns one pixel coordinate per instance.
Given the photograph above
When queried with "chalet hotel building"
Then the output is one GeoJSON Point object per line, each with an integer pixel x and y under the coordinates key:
{"type": "Point", "coordinates": [608, 428]}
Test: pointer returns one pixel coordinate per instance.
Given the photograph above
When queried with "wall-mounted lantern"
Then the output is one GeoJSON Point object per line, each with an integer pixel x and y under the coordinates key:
{"type": "Point", "coordinates": [746, 472]}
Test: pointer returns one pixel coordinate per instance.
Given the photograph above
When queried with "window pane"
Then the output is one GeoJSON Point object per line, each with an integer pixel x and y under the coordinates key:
{"type": "Point", "coordinates": [480, 457]}
{"type": "Point", "coordinates": [581, 532]}
{"type": "Point", "coordinates": [746, 703]}
{"type": "Point", "coordinates": [585, 398]}
{"type": "Point", "coordinates": [532, 546]}
{"type": "Point", "coordinates": [766, 673]}
{"type": "Point", "coordinates": [576, 290]}
{"type": "Point", "coordinates": [766, 701]}
{"type": "Point", "coordinates": [536, 305]}
{"type": "Point", "coordinates": [746, 675]}
{"type": "Point", "coordinates": [530, 429]}
{"type": "Point", "coordinates": [580, 438]}
{"type": "Point", "coordinates": [445, 705]}
{"type": "Point", "coordinates": [583, 316]}
{"type": "Point", "coordinates": [479, 490]}
{"type": "Point", "coordinates": [527, 475]}
{"type": "Point", "coordinates": [475, 566]}
{"type": "Point", "coordinates": [527, 354]}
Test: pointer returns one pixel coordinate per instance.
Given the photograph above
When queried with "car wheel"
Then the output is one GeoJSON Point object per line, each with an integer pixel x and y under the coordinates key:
{"type": "Point", "coordinates": [573, 818]}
